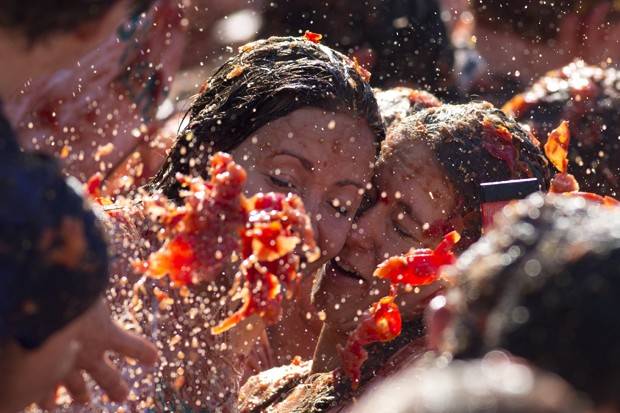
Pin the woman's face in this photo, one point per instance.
(410, 200)
(324, 158)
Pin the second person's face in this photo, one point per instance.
(411, 201)
(324, 158)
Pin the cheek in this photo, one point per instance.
(254, 184)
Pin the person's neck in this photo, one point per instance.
(297, 331)
(507, 54)
(326, 357)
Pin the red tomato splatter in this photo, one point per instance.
(556, 147)
(382, 322)
(419, 266)
(497, 140)
(313, 37)
(214, 222)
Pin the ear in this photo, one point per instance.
(438, 317)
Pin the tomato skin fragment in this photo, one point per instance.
(419, 266)
(364, 74)
(313, 37)
(556, 147)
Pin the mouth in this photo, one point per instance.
(343, 271)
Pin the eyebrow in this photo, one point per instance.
(305, 162)
(308, 165)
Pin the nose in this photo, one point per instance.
(364, 234)
(312, 210)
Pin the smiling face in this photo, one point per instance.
(324, 158)
(412, 202)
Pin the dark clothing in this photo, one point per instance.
(53, 258)
(8, 140)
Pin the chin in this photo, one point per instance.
(331, 288)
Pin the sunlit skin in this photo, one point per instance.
(22, 62)
(391, 227)
(325, 158)
(30, 375)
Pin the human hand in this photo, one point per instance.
(99, 334)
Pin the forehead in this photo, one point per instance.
(412, 171)
(408, 159)
(320, 133)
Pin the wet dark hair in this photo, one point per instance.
(53, 256)
(396, 103)
(588, 97)
(267, 80)
(408, 37)
(492, 384)
(464, 146)
(546, 285)
(38, 19)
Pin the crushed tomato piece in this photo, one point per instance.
(419, 266)
(603, 200)
(191, 252)
(216, 222)
(364, 74)
(556, 147)
(313, 37)
(93, 185)
(497, 140)
(556, 150)
(277, 224)
(382, 322)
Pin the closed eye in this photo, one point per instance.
(339, 207)
(401, 231)
(280, 183)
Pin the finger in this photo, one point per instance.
(569, 37)
(48, 402)
(595, 23)
(109, 379)
(129, 344)
(77, 387)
